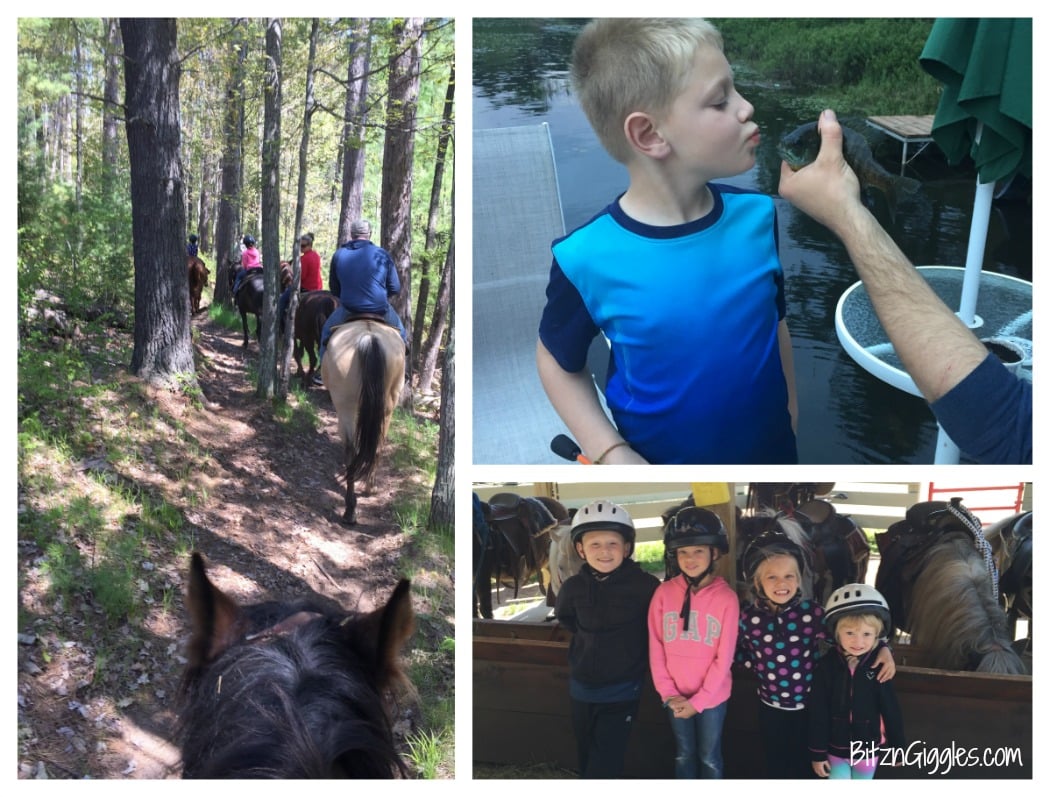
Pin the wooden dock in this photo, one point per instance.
(908, 130)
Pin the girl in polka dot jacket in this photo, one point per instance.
(779, 639)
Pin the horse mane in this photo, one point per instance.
(266, 711)
(955, 616)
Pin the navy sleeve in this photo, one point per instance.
(989, 415)
(333, 280)
(566, 327)
(393, 281)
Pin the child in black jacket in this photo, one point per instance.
(605, 606)
(851, 714)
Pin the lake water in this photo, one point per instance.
(845, 415)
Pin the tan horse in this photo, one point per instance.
(364, 370)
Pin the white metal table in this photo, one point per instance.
(1003, 310)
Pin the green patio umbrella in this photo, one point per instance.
(985, 112)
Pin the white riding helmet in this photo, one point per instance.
(602, 515)
(856, 599)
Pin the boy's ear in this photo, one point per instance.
(643, 135)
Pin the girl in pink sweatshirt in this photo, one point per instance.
(693, 623)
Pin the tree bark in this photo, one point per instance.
(442, 315)
(442, 499)
(111, 94)
(356, 115)
(300, 205)
(433, 213)
(228, 222)
(163, 350)
(398, 155)
(271, 209)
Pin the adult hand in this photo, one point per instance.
(821, 768)
(826, 189)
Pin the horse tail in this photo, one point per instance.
(368, 431)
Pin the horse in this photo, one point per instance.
(364, 370)
(290, 690)
(938, 576)
(1011, 541)
(249, 298)
(198, 278)
(314, 309)
(563, 562)
(834, 546)
(511, 542)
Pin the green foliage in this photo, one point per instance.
(863, 65)
(429, 750)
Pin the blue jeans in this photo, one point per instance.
(698, 743)
(341, 313)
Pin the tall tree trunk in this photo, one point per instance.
(300, 204)
(356, 115)
(442, 314)
(398, 154)
(433, 212)
(78, 120)
(163, 351)
(111, 95)
(227, 225)
(270, 174)
(442, 499)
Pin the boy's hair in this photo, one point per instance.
(856, 619)
(621, 66)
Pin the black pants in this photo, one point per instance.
(785, 736)
(601, 731)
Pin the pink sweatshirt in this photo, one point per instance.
(694, 664)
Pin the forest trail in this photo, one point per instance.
(266, 518)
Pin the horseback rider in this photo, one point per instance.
(191, 247)
(363, 276)
(309, 275)
(251, 260)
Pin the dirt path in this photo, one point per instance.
(264, 512)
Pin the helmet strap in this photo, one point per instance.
(691, 583)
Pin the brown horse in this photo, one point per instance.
(314, 309)
(937, 573)
(250, 293)
(198, 276)
(364, 370)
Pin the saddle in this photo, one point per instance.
(517, 522)
(903, 547)
(365, 317)
(827, 526)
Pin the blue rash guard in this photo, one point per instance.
(691, 314)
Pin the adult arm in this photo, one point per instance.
(575, 399)
(936, 348)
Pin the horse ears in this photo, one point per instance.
(387, 629)
(213, 614)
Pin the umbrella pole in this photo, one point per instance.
(946, 453)
(982, 211)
